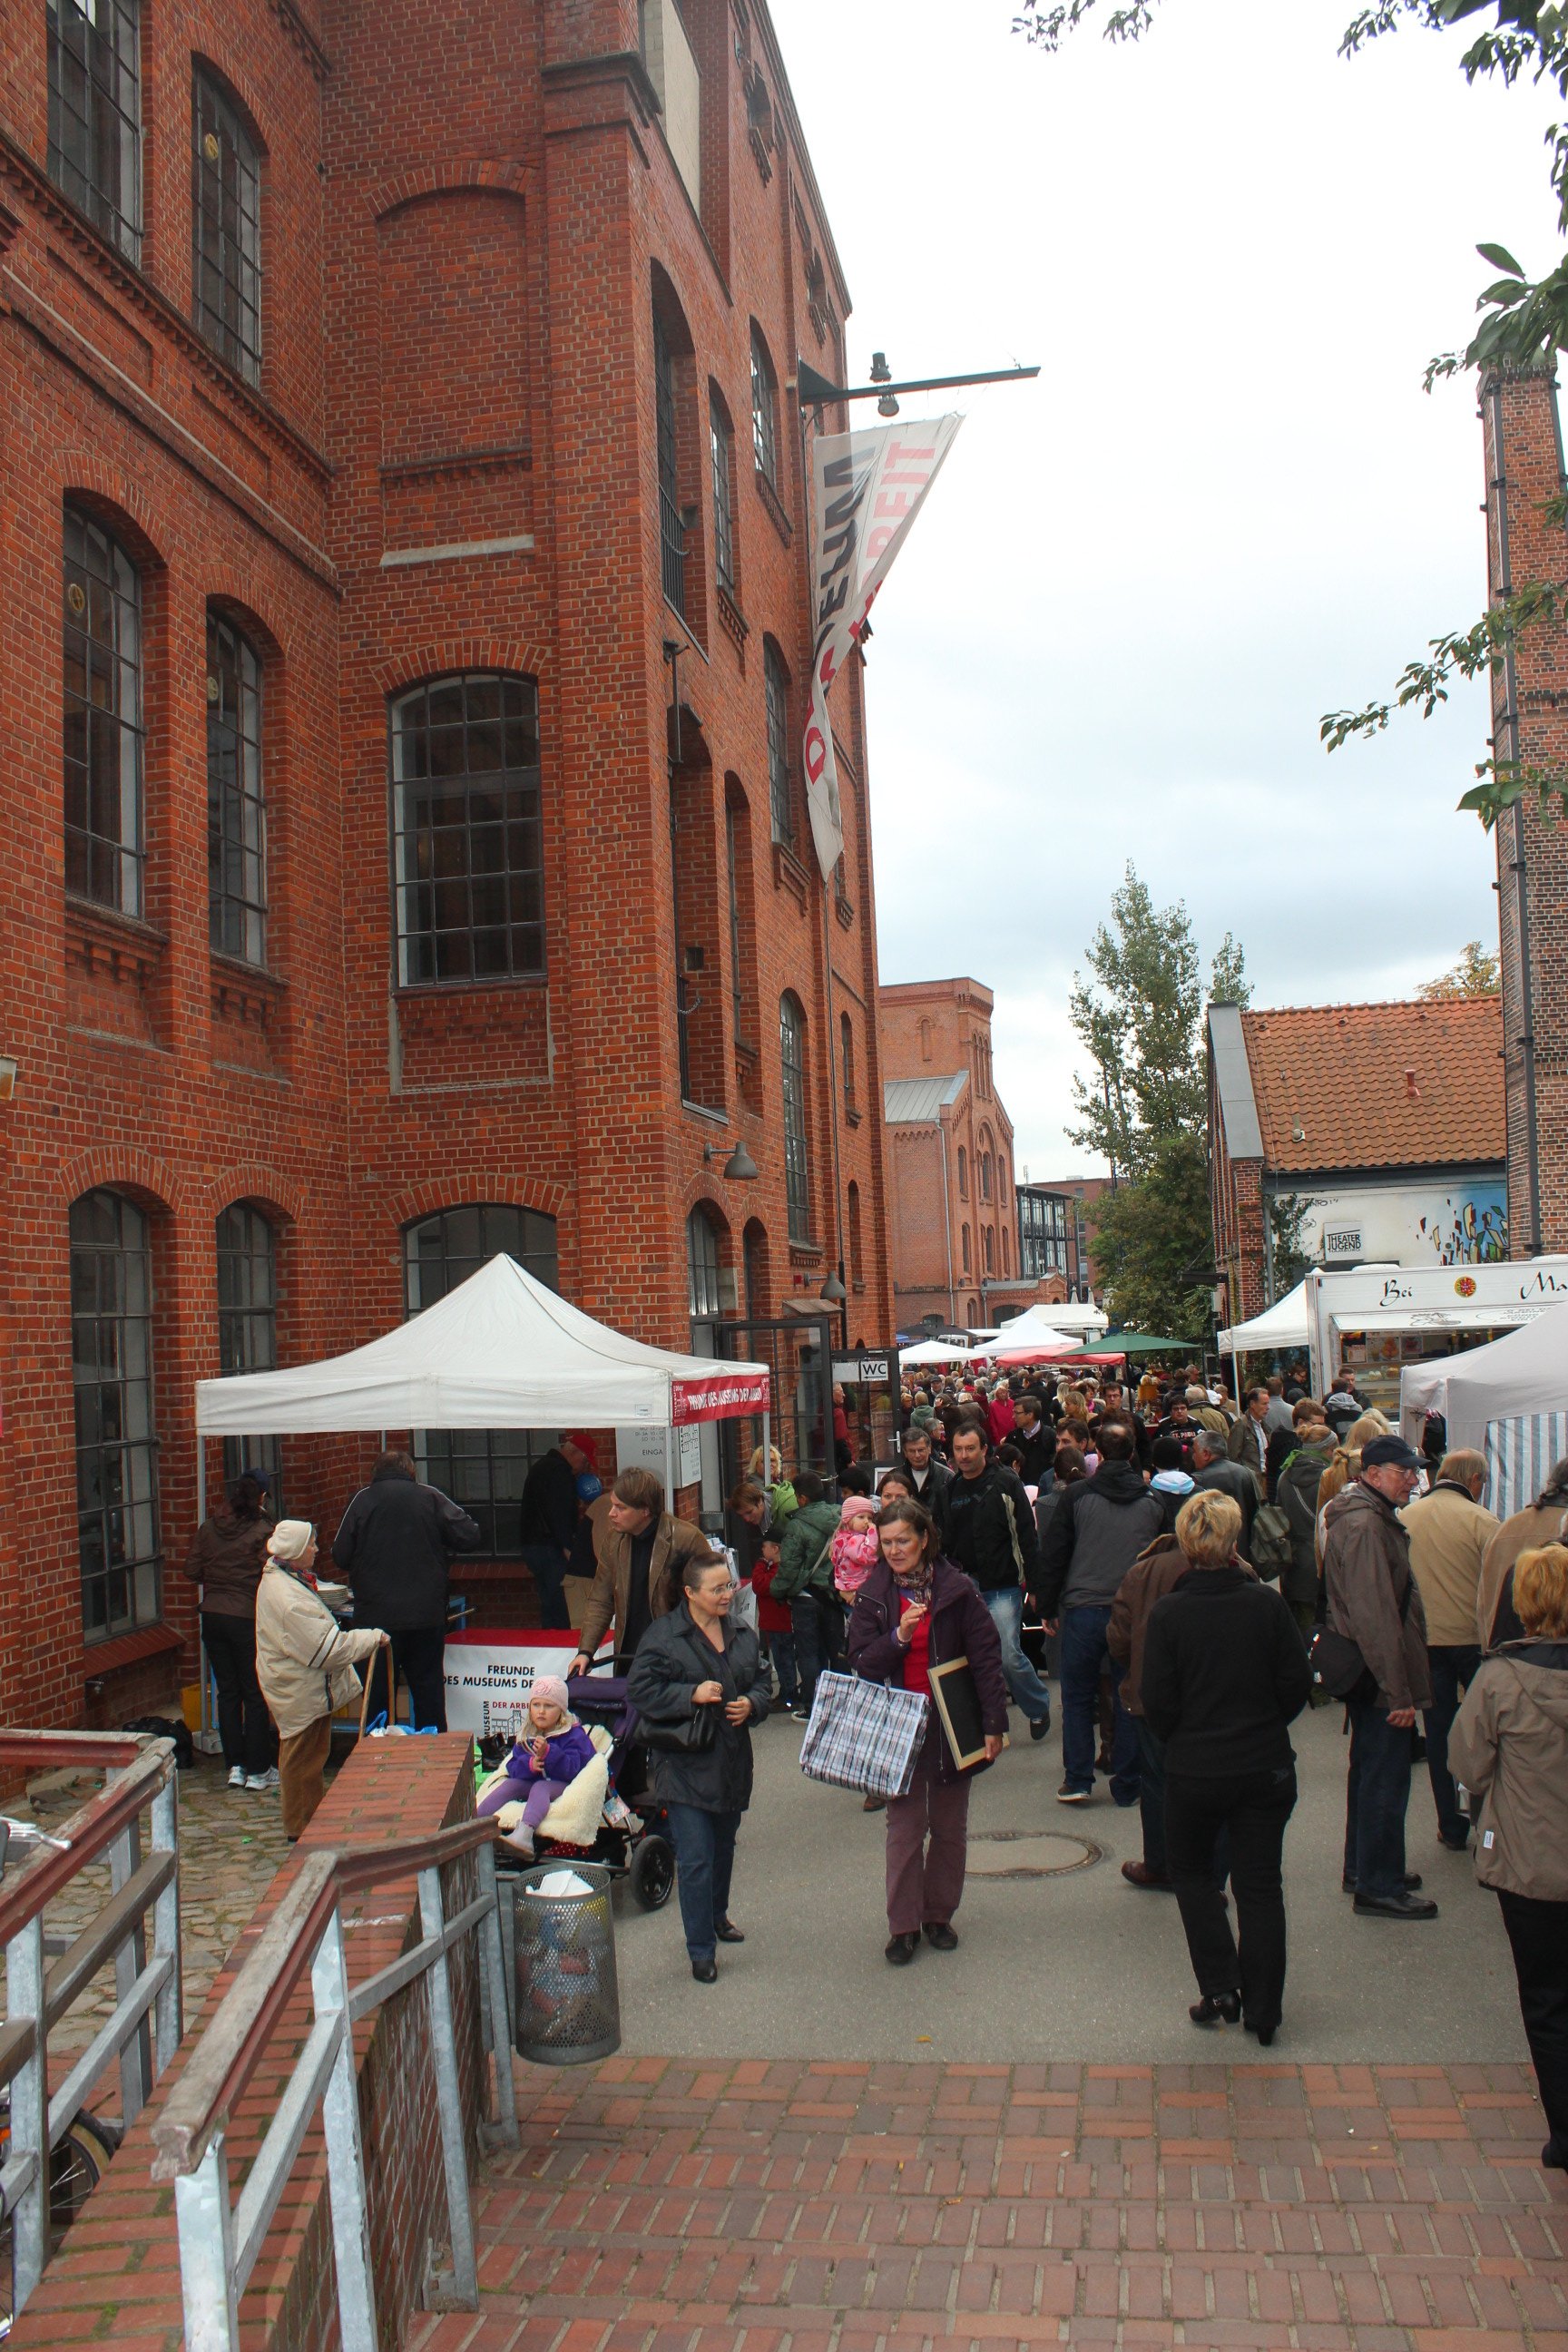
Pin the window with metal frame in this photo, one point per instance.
(847, 1060)
(721, 450)
(733, 886)
(671, 533)
(964, 1239)
(775, 698)
(702, 1283)
(236, 811)
(856, 1260)
(95, 113)
(988, 1239)
(963, 1173)
(792, 1052)
(118, 1537)
(764, 411)
(103, 731)
(225, 228)
(482, 1469)
(467, 833)
(248, 1327)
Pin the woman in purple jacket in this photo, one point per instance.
(916, 1610)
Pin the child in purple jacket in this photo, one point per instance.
(542, 1763)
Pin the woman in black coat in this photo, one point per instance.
(1225, 1673)
(690, 1664)
(917, 1610)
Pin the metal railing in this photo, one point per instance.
(143, 2030)
(220, 2240)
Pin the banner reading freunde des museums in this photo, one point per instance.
(869, 486)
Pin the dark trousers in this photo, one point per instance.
(781, 1654)
(418, 1654)
(927, 1846)
(1151, 1806)
(1377, 1791)
(547, 1565)
(1251, 1809)
(1453, 1671)
(704, 1860)
(244, 1724)
(1084, 1658)
(819, 1635)
(1538, 1934)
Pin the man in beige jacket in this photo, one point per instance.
(1449, 1530)
(640, 1552)
(1544, 1521)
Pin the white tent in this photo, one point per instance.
(936, 1352)
(1283, 1325)
(1508, 1401)
(1051, 1327)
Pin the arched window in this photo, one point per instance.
(988, 1238)
(702, 1264)
(963, 1240)
(95, 113)
(852, 1220)
(985, 1174)
(792, 1050)
(118, 1532)
(775, 697)
(671, 533)
(237, 814)
(847, 1060)
(225, 228)
(925, 1040)
(248, 1324)
(721, 456)
(963, 1173)
(104, 844)
(483, 1469)
(765, 410)
(467, 836)
(1006, 1254)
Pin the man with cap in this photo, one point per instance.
(1373, 1600)
(550, 1521)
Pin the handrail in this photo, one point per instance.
(232, 2044)
(45, 1750)
(88, 1831)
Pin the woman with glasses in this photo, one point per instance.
(702, 1681)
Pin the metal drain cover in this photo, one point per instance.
(1029, 1853)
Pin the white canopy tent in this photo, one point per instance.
(1283, 1325)
(937, 1352)
(1508, 1401)
(499, 1351)
(1049, 1325)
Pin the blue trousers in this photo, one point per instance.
(704, 1859)
(1377, 1791)
(1084, 1658)
(1454, 1668)
(819, 1625)
(1024, 1687)
(780, 1650)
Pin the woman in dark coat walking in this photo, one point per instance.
(694, 1663)
(1225, 1673)
(916, 1610)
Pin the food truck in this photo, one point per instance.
(1372, 1320)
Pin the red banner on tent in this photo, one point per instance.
(723, 1397)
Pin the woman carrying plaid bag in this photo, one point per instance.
(916, 1610)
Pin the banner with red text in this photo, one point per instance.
(869, 486)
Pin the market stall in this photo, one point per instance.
(1285, 1325)
(1375, 1321)
(1508, 1401)
(936, 1352)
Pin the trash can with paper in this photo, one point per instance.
(566, 2009)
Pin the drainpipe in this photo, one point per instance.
(1506, 746)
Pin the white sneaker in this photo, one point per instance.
(236, 1776)
(258, 1780)
(270, 1776)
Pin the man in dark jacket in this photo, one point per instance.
(1095, 1534)
(394, 1544)
(550, 1522)
(987, 1526)
(803, 1582)
(928, 1476)
(1296, 1492)
(1212, 1467)
(1035, 1439)
(1179, 1423)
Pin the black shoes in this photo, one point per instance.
(1265, 2032)
(1554, 2155)
(901, 1950)
(941, 1937)
(1403, 1905)
(1216, 2007)
(705, 1971)
(1410, 1882)
(728, 1933)
(1039, 1725)
(874, 1805)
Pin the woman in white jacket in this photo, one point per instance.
(305, 1665)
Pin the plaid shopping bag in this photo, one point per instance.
(864, 1735)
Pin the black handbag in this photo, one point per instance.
(693, 1736)
(1335, 1662)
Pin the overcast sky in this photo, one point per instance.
(1227, 507)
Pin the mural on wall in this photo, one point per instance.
(1465, 1224)
(1471, 1229)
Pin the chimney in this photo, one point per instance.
(1412, 1091)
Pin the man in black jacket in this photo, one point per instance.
(394, 1544)
(1211, 1466)
(988, 1529)
(1096, 1532)
(1035, 1439)
(928, 1477)
(549, 1523)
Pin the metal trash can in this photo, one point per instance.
(566, 2004)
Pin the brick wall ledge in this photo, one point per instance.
(127, 1650)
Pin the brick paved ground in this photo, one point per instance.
(661, 2205)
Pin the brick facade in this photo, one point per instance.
(953, 1225)
(450, 462)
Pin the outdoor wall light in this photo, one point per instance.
(738, 1168)
(833, 1290)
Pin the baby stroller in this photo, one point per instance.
(631, 1840)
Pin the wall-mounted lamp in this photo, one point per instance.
(738, 1168)
(833, 1290)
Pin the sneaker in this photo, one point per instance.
(258, 1781)
(1039, 1725)
(270, 1776)
(236, 1776)
(800, 1715)
(1068, 1795)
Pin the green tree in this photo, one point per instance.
(1475, 974)
(1290, 1260)
(1228, 983)
(1151, 1242)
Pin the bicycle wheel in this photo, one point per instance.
(78, 2163)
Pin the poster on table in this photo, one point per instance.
(489, 1674)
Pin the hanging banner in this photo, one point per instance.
(869, 486)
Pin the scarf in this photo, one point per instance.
(918, 1584)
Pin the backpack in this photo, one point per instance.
(1270, 1549)
(854, 1551)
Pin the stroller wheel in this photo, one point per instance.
(652, 1874)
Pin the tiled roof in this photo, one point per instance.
(911, 1099)
(1379, 1086)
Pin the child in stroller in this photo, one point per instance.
(630, 1844)
(542, 1762)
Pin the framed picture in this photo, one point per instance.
(957, 1704)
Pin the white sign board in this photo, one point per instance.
(489, 1676)
(643, 1449)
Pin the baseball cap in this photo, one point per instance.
(1381, 1451)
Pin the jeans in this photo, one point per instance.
(1377, 1791)
(1084, 1657)
(704, 1859)
(927, 1846)
(1023, 1685)
(1538, 1932)
(244, 1724)
(819, 1637)
(418, 1654)
(781, 1653)
(1253, 1808)
(547, 1565)
(1454, 1669)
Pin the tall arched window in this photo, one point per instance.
(95, 113)
(225, 228)
(764, 411)
(671, 533)
(775, 700)
(722, 457)
(792, 1050)
(118, 1533)
(702, 1264)
(847, 1060)
(104, 844)
(236, 813)
(852, 1222)
(247, 1323)
(963, 1173)
(467, 836)
(963, 1240)
(483, 1469)
(989, 1246)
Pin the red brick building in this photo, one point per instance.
(949, 1153)
(405, 850)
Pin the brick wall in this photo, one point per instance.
(117, 2278)
(946, 1245)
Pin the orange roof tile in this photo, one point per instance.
(1379, 1086)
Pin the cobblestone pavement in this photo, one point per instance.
(231, 1843)
(662, 2205)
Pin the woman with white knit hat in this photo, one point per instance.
(305, 1665)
